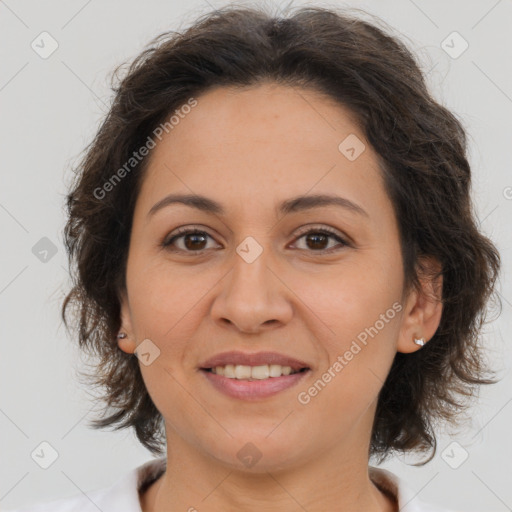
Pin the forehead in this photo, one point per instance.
(260, 142)
(254, 115)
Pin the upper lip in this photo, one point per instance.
(254, 359)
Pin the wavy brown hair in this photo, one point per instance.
(422, 150)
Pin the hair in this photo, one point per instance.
(421, 148)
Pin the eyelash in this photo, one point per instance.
(181, 232)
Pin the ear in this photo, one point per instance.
(423, 309)
(127, 344)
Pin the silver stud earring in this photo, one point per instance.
(121, 335)
(420, 341)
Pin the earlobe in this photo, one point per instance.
(125, 344)
(423, 312)
(125, 339)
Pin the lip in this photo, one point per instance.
(254, 359)
(253, 390)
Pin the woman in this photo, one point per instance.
(278, 264)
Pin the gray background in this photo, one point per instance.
(50, 110)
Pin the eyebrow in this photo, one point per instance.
(295, 204)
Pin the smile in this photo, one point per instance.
(258, 385)
(261, 372)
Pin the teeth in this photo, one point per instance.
(277, 370)
(260, 372)
(243, 372)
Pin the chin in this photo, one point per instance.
(257, 453)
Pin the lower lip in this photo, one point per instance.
(253, 389)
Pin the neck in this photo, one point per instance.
(329, 481)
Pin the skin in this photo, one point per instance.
(249, 149)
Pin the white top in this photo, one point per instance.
(123, 495)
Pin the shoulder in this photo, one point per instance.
(122, 496)
(72, 504)
(405, 496)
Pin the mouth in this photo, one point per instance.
(254, 373)
(253, 383)
(237, 364)
(253, 376)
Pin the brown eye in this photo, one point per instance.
(317, 240)
(193, 240)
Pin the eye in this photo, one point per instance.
(193, 240)
(317, 238)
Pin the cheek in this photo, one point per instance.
(358, 356)
(166, 307)
(356, 323)
(164, 299)
(349, 298)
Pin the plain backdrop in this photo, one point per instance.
(50, 109)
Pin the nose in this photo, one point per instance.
(253, 297)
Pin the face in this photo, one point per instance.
(317, 281)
